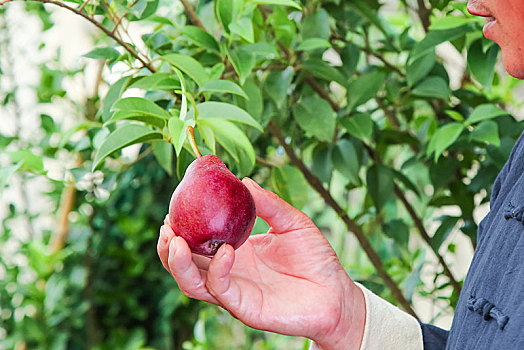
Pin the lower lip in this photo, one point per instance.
(489, 28)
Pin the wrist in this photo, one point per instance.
(347, 330)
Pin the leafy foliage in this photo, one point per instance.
(370, 119)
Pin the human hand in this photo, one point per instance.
(287, 281)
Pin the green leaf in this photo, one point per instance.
(137, 106)
(350, 57)
(316, 25)
(234, 141)
(157, 121)
(277, 2)
(406, 181)
(284, 27)
(183, 161)
(322, 165)
(80, 126)
(323, 70)
(177, 130)
(436, 37)
(450, 22)
(115, 91)
(163, 152)
(157, 82)
(208, 135)
(27, 161)
(289, 183)
(364, 88)
(380, 184)
(445, 228)
(397, 230)
(262, 50)
(255, 105)
(313, 44)
(243, 61)
(103, 53)
(221, 110)
(443, 138)
(224, 86)
(454, 115)
(315, 117)
(433, 86)
(201, 37)
(482, 64)
(216, 71)
(364, 9)
(277, 84)
(124, 136)
(142, 9)
(359, 125)
(226, 11)
(420, 68)
(487, 131)
(244, 28)
(345, 160)
(188, 65)
(484, 112)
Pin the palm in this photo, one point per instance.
(272, 270)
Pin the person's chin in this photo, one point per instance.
(513, 62)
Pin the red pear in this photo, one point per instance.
(211, 206)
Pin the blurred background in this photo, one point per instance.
(78, 264)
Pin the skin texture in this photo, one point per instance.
(287, 281)
(504, 25)
(211, 206)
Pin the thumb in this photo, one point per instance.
(279, 214)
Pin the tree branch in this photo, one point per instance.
(192, 14)
(424, 234)
(352, 226)
(420, 226)
(323, 93)
(122, 43)
(424, 14)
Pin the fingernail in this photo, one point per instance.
(253, 183)
(163, 234)
(222, 252)
(172, 246)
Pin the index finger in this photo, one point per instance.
(281, 216)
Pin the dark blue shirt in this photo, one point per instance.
(490, 311)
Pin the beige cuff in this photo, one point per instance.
(388, 327)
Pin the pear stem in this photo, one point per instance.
(191, 135)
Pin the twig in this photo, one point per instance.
(122, 43)
(62, 228)
(352, 226)
(119, 21)
(81, 8)
(323, 93)
(424, 234)
(424, 14)
(265, 163)
(192, 14)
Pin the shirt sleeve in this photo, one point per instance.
(434, 338)
(388, 327)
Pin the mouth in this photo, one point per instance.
(479, 11)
